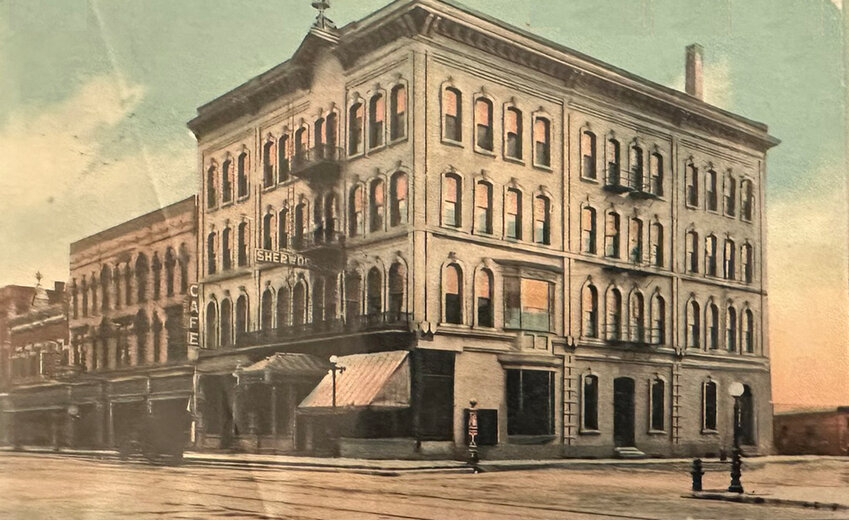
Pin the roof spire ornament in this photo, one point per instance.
(321, 21)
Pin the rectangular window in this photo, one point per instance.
(530, 402)
(527, 304)
(657, 405)
(709, 406)
(590, 408)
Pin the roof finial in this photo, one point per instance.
(321, 21)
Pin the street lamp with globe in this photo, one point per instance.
(736, 389)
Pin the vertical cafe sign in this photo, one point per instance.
(193, 340)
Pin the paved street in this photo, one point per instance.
(48, 486)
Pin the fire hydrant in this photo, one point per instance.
(697, 473)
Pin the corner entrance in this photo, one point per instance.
(623, 412)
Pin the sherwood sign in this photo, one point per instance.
(281, 258)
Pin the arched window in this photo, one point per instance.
(128, 280)
(397, 283)
(283, 229)
(268, 158)
(242, 251)
(75, 304)
(156, 265)
(300, 225)
(483, 124)
(452, 115)
(301, 144)
(614, 315)
(513, 214)
(542, 220)
(513, 133)
(331, 216)
(183, 261)
(84, 288)
(318, 136)
(398, 108)
(658, 405)
(748, 331)
(170, 263)
(353, 295)
(483, 207)
(711, 193)
(377, 205)
(211, 323)
(355, 129)
(452, 288)
(542, 142)
(710, 255)
(748, 203)
(589, 410)
(283, 154)
(141, 278)
(242, 314)
(589, 307)
(226, 323)
(266, 310)
(613, 163)
(483, 298)
(374, 290)
(299, 304)
(731, 329)
(242, 174)
(658, 317)
(638, 318)
(657, 174)
(105, 283)
(226, 249)
(156, 329)
(635, 241)
(709, 406)
(730, 271)
(452, 197)
(611, 235)
(637, 168)
(588, 230)
(748, 265)
(694, 329)
(94, 294)
(330, 298)
(692, 179)
(376, 119)
(318, 300)
(211, 195)
(331, 129)
(356, 217)
(227, 181)
(692, 245)
(588, 155)
(398, 189)
(656, 238)
(712, 318)
(730, 195)
(283, 307)
(267, 228)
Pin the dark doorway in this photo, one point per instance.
(747, 417)
(623, 412)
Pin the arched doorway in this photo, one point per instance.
(623, 412)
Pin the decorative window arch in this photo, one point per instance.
(614, 161)
(588, 230)
(712, 322)
(589, 400)
(635, 240)
(483, 207)
(377, 204)
(452, 290)
(269, 162)
(513, 132)
(730, 264)
(331, 135)
(747, 202)
(731, 328)
(710, 255)
(513, 213)
(211, 195)
(283, 228)
(637, 164)
(656, 241)
(226, 337)
(711, 192)
(657, 404)
(301, 224)
(355, 128)
(612, 234)
(452, 199)
(242, 240)
(693, 324)
(226, 249)
(658, 317)
(356, 211)
(692, 258)
(542, 141)
(747, 257)
(452, 114)
(376, 120)
(484, 306)
(398, 190)
(748, 331)
(637, 313)
(318, 135)
(242, 167)
(613, 306)
(284, 154)
(227, 180)
(484, 124)
(211, 322)
(692, 182)
(301, 142)
(588, 154)
(730, 194)
(656, 170)
(589, 310)
(542, 219)
(268, 230)
(398, 112)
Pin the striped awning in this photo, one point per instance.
(378, 381)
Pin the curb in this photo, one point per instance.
(759, 499)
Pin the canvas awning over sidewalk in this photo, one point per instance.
(281, 367)
(378, 381)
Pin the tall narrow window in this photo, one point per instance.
(331, 225)
(513, 214)
(318, 136)
(376, 119)
(398, 189)
(748, 266)
(299, 304)
(638, 318)
(730, 195)
(656, 238)
(588, 155)
(513, 133)
(242, 244)
(283, 165)
(710, 255)
(731, 329)
(589, 410)
(170, 264)
(589, 307)
(242, 173)
(483, 298)
(693, 325)
(128, 273)
(542, 142)
(658, 318)
(613, 162)
(331, 131)
(657, 174)
(748, 331)
(283, 307)
(748, 203)
(709, 406)
(301, 143)
(452, 279)
(355, 129)
(451, 200)
(711, 193)
(637, 168)
(301, 219)
(211, 196)
(692, 252)
(226, 252)
(318, 300)
(268, 158)
(692, 178)
(588, 230)
(266, 310)
(374, 290)
(156, 266)
(611, 235)
(483, 124)
(452, 115)
(658, 406)
(141, 278)
(614, 314)
(542, 220)
(398, 107)
(397, 284)
(377, 205)
(635, 241)
(712, 318)
(241, 320)
(211, 326)
(356, 212)
(353, 297)
(85, 295)
(106, 282)
(483, 207)
(330, 288)
(267, 227)
(730, 272)
(227, 181)
(283, 229)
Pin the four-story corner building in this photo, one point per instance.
(455, 210)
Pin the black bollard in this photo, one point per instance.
(697, 473)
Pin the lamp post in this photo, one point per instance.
(736, 390)
(334, 367)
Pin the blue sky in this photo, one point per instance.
(95, 94)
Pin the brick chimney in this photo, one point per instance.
(693, 83)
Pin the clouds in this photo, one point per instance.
(718, 87)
